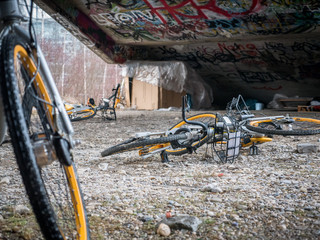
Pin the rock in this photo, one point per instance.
(214, 199)
(183, 222)
(307, 148)
(286, 182)
(163, 230)
(167, 165)
(103, 166)
(211, 188)
(235, 217)
(235, 224)
(129, 211)
(5, 180)
(303, 189)
(21, 209)
(145, 218)
(174, 203)
(283, 227)
(210, 213)
(122, 172)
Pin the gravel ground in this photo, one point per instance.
(273, 195)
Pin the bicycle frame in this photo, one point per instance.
(10, 16)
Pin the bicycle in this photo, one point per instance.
(226, 133)
(40, 130)
(78, 112)
(107, 106)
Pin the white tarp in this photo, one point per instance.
(172, 75)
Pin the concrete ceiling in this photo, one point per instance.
(254, 47)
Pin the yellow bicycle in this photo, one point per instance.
(107, 106)
(225, 133)
(40, 130)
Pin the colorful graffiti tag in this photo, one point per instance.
(257, 43)
(195, 20)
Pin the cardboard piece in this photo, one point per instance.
(146, 96)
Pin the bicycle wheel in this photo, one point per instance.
(135, 144)
(286, 126)
(82, 115)
(53, 189)
(206, 118)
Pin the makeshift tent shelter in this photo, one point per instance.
(153, 85)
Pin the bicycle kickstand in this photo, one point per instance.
(164, 157)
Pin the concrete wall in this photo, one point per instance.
(253, 47)
(78, 72)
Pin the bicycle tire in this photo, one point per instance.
(136, 144)
(300, 126)
(202, 117)
(27, 114)
(82, 115)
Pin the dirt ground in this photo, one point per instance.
(273, 195)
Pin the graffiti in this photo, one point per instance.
(277, 53)
(268, 88)
(298, 5)
(202, 56)
(169, 53)
(101, 3)
(73, 30)
(167, 15)
(199, 20)
(309, 48)
(252, 77)
(137, 35)
(280, 23)
(192, 10)
(108, 3)
(179, 13)
(130, 18)
(225, 24)
(244, 49)
(216, 36)
(305, 46)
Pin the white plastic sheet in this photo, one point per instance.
(172, 75)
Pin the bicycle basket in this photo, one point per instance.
(227, 138)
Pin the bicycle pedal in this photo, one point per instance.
(253, 150)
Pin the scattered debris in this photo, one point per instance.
(307, 148)
(163, 230)
(5, 180)
(21, 209)
(211, 188)
(182, 222)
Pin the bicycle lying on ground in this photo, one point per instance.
(107, 106)
(40, 130)
(225, 133)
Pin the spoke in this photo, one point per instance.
(57, 189)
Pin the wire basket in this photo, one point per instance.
(227, 138)
(237, 108)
